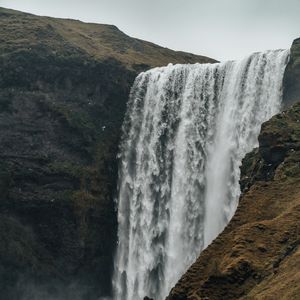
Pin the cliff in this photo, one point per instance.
(257, 256)
(64, 85)
(291, 80)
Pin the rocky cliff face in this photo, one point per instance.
(291, 79)
(257, 256)
(64, 86)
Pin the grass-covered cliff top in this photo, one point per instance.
(22, 31)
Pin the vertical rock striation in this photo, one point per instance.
(291, 80)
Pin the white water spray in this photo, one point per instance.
(186, 131)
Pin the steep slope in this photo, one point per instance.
(64, 86)
(257, 256)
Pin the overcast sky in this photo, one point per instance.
(221, 29)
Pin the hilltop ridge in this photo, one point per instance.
(99, 41)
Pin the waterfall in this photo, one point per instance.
(186, 131)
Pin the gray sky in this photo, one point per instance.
(221, 29)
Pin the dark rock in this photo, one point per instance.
(291, 81)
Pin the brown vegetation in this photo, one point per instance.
(257, 256)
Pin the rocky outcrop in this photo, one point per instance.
(64, 86)
(257, 256)
(291, 81)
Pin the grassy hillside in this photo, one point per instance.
(20, 31)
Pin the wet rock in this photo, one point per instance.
(291, 81)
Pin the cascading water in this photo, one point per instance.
(186, 131)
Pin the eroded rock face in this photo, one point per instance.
(291, 81)
(63, 92)
(58, 145)
(257, 256)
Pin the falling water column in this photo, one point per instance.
(186, 131)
